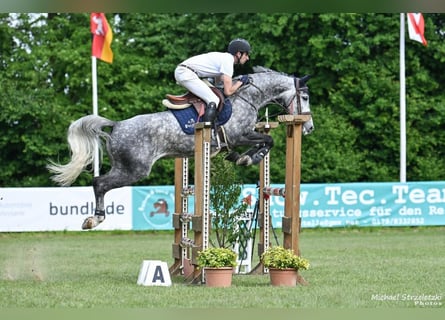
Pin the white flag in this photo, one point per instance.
(416, 27)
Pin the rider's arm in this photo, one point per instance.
(230, 87)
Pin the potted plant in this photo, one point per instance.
(283, 265)
(217, 265)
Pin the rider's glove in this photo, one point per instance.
(244, 79)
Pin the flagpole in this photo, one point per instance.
(95, 111)
(402, 101)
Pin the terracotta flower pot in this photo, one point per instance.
(218, 277)
(283, 277)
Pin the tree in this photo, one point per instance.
(45, 77)
(227, 211)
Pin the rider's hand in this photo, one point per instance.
(244, 79)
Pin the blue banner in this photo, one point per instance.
(321, 205)
(153, 207)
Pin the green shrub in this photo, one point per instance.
(216, 258)
(281, 258)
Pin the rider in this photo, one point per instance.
(218, 65)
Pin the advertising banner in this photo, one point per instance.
(152, 207)
(366, 204)
(321, 205)
(58, 209)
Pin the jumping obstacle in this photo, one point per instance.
(291, 219)
(269, 191)
(200, 220)
(291, 192)
(181, 219)
(264, 204)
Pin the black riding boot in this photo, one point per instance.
(210, 113)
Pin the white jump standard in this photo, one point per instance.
(200, 220)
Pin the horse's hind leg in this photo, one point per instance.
(116, 178)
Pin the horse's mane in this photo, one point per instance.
(261, 69)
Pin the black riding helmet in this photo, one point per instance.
(238, 45)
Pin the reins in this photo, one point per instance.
(238, 95)
(287, 108)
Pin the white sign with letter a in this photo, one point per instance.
(154, 273)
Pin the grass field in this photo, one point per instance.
(350, 268)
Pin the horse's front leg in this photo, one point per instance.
(262, 143)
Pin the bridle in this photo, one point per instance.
(288, 108)
(298, 91)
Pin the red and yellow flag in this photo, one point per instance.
(102, 37)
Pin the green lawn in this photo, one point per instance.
(350, 268)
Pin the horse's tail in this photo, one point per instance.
(83, 139)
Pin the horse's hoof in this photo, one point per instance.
(244, 161)
(90, 223)
(87, 224)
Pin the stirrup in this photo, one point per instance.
(216, 142)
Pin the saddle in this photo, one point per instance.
(186, 100)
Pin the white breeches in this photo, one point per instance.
(190, 80)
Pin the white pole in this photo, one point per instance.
(402, 101)
(95, 112)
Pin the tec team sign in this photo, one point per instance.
(369, 204)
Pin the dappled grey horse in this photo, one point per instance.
(134, 144)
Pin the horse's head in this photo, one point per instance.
(300, 102)
(290, 92)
